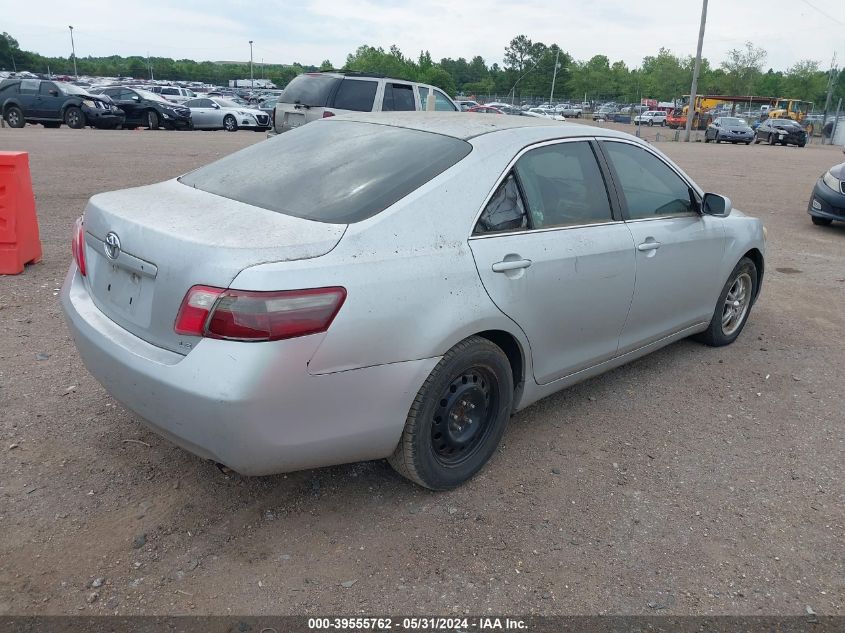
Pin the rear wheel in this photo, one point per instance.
(230, 124)
(152, 120)
(14, 116)
(733, 306)
(74, 118)
(650, 123)
(458, 416)
(821, 221)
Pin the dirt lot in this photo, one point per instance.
(695, 480)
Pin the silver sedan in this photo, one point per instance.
(215, 113)
(397, 285)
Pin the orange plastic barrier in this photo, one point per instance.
(19, 243)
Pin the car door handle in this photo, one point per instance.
(648, 246)
(511, 264)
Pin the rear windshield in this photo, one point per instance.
(331, 171)
(310, 90)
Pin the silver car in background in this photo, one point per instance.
(217, 113)
(397, 285)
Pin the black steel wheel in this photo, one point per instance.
(458, 416)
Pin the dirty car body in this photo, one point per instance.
(432, 230)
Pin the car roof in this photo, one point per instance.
(465, 126)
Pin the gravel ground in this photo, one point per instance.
(693, 481)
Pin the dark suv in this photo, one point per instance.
(146, 109)
(52, 103)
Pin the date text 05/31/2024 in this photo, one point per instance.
(416, 624)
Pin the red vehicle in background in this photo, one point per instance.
(485, 110)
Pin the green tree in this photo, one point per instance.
(743, 68)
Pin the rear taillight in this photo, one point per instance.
(77, 246)
(244, 315)
(327, 114)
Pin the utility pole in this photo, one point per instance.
(73, 52)
(251, 77)
(150, 65)
(554, 76)
(695, 71)
(831, 78)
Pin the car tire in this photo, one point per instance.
(772, 140)
(706, 139)
(14, 117)
(152, 120)
(748, 142)
(74, 118)
(473, 380)
(230, 124)
(716, 138)
(729, 319)
(756, 139)
(821, 221)
(650, 123)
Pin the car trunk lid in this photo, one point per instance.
(145, 247)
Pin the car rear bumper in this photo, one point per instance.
(251, 406)
(826, 203)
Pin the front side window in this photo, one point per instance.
(505, 211)
(650, 188)
(398, 97)
(48, 88)
(563, 186)
(442, 102)
(357, 95)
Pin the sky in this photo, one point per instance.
(309, 31)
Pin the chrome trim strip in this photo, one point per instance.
(485, 236)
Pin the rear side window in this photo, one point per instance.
(563, 186)
(170, 91)
(29, 86)
(310, 90)
(398, 97)
(505, 211)
(331, 171)
(357, 95)
(8, 90)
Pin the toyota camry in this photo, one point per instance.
(397, 285)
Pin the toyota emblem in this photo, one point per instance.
(112, 245)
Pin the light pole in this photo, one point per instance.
(251, 77)
(73, 52)
(554, 76)
(695, 71)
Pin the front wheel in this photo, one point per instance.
(821, 221)
(772, 139)
(230, 124)
(458, 416)
(152, 120)
(651, 123)
(733, 306)
(74, 118)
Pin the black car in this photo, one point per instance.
(782, 131)
(729, 129)
(828, 200)
(146, 109)
(52, 103)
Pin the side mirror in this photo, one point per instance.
(54, 93)
(216, 106)
(136, 98)
(716, 205)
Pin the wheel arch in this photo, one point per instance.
(512, 348)
(757, 257)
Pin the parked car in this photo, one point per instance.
(604, 113)
(729, 129)
(828, 200)
(650, 118)
(312, 96)
(485, 110)
(173, 93)
(781, 131)
(568, 110)
(268, 106)
(52, 103)
(271, 318)
(146, 109)
(217, 113)
(466, 104)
